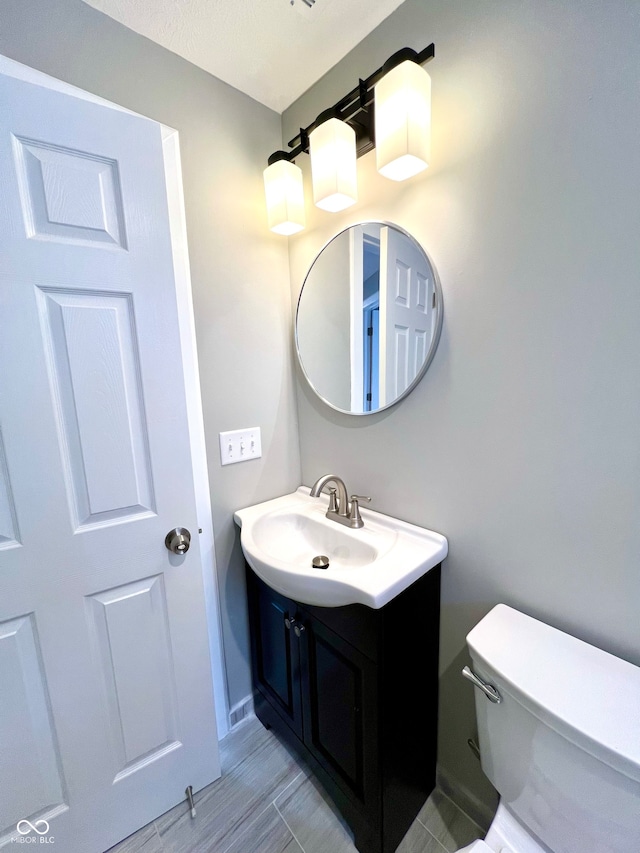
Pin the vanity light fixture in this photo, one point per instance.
(399, 93)
(403, 120)
(285, 194)
(332, 146)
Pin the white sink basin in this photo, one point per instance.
(368, 566)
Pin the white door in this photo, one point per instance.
(361, 237)
(106, 708)
(406, 312)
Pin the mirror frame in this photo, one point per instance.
(439, 308)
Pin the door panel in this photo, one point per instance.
(337, 728)
(94, 370)
(339, 692)
(95, 468)
(9, 537)
(406, 312)
(69, 196)
(27, 735)
(276, 658)
(131, 637)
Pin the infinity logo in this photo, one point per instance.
(32, 827)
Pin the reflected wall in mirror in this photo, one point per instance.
(369, 318)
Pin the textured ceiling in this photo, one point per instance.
(273, 50)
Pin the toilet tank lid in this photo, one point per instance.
(587, 695)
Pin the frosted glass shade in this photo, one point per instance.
(403, 121)
(285, 197)
(333, 165)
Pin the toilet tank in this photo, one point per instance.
(562, 748)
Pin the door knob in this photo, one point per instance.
(178, 540)
(298, 630)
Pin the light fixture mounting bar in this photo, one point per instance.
(356, 107)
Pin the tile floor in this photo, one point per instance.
(268, 802)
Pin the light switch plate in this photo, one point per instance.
(240, 445)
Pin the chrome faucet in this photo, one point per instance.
(340, 509)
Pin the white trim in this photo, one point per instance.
(356, 284)
(186, 322)
(240, 711)
(177, 224)
(475, 809)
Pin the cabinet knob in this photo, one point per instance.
(298, 628)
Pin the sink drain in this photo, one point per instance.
(320, 562)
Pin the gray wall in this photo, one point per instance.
(522, 442)
(239, 269)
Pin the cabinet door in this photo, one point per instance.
(275, 658)
(339, 695)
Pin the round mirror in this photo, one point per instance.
(369, 318)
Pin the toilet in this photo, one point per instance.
(559, 734)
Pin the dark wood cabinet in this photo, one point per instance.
(355, 692)
(339, 690)
(276, 653)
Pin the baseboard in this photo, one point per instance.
(475, 809)
(240, 711)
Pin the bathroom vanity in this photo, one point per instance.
(354, 690)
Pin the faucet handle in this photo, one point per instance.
(333, 501)
(355, 519)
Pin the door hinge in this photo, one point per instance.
(189, 793)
